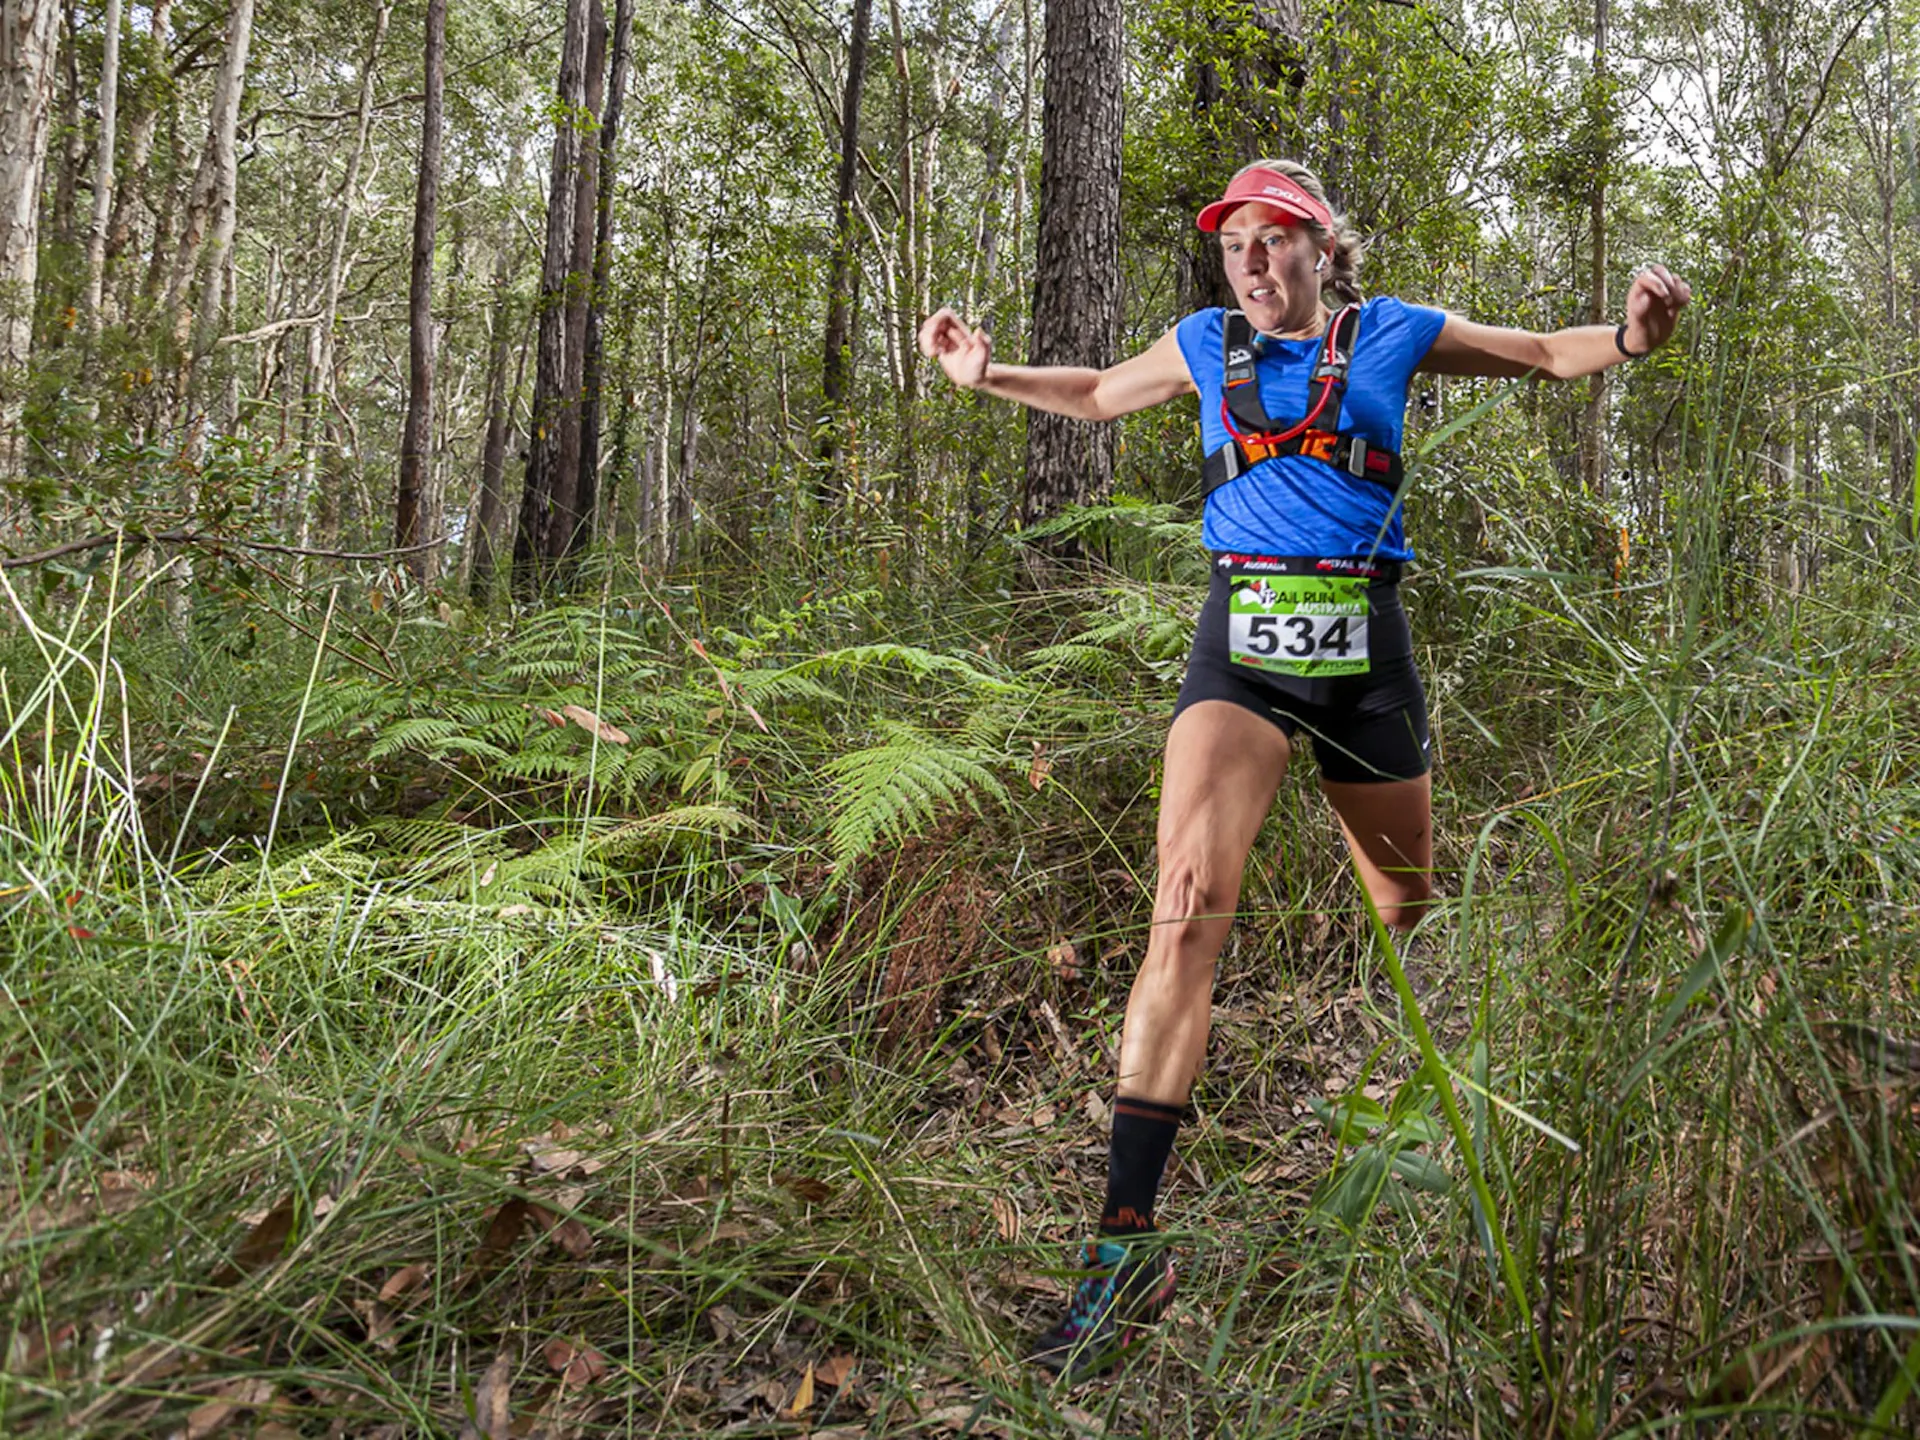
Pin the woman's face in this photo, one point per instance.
(1270, 258)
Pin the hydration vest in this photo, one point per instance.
(1257, 436)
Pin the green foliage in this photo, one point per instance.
(894, 790)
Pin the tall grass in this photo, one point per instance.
(379, 1057)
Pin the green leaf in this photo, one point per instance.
(1422, 1171)
(1726, 940)
(1351, 1118)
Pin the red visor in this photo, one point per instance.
(1271, 188)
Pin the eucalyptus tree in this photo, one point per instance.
(1076, 288)
(196, 284)
(833, 361)
(27, 30)
(103, 163)
(548, 517)
(414, 506)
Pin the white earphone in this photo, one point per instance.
(1322, 265)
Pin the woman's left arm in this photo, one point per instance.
(1653, 309)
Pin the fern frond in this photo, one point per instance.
(911, 658)
(637, 836)
(769, 686)
(431, 735)
(1079, 657)
(892, 791)
(1166, 523)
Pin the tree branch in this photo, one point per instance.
(1820, 95)
(138, 538)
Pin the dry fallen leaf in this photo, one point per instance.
(379, 1323)
(725, 1322)
(576, 1365)
(833, 1371)
(209, 1418)
(1065, 960)
(725, 1230)
(566, 1231)
(403, 1282)
(1006, 1219)
(492, 1416)
(1041, 768)
(547, 1158)
(31, 1348)
(803, 1397)
(1044, 1117)
(594, 725)
(503, 1234)
(817, 1192)
(262, 1245)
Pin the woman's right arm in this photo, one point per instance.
(1155, 374)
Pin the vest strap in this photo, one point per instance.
(1256, 436)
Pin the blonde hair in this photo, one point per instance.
(1349, 249)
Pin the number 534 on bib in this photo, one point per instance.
(1307, 625)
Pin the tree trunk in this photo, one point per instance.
(66, 185)
(1904, 440)
(416, 443)
(1593, 431)
(586, 500)
(1203, 274)
(1076, 291)
(567, 514)
(143, 119)
(904, 292)
(538, 521)
(206, 227)
(103, 166)
(493, 456)
(317, 395)
(835, 373)
(27, 31)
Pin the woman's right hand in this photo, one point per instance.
(964, 354)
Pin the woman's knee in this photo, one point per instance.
(1193, 907)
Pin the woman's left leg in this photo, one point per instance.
(1389, 830)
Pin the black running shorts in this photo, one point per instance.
(1366, 727)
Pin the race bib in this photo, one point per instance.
(1305, 625)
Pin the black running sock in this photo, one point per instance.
(1143, 1132)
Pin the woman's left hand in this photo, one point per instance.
(1653, 307)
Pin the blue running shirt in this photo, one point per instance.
(1293, 505)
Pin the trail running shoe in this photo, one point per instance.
(1119, 1297)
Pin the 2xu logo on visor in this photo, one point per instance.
(1304, 625)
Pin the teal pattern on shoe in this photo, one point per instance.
(1122, 1292)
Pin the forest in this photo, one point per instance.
(576, 823)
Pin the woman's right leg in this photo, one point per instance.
(1223, 766)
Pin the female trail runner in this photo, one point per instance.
(1302, 631)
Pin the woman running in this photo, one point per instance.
(1302, 631)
